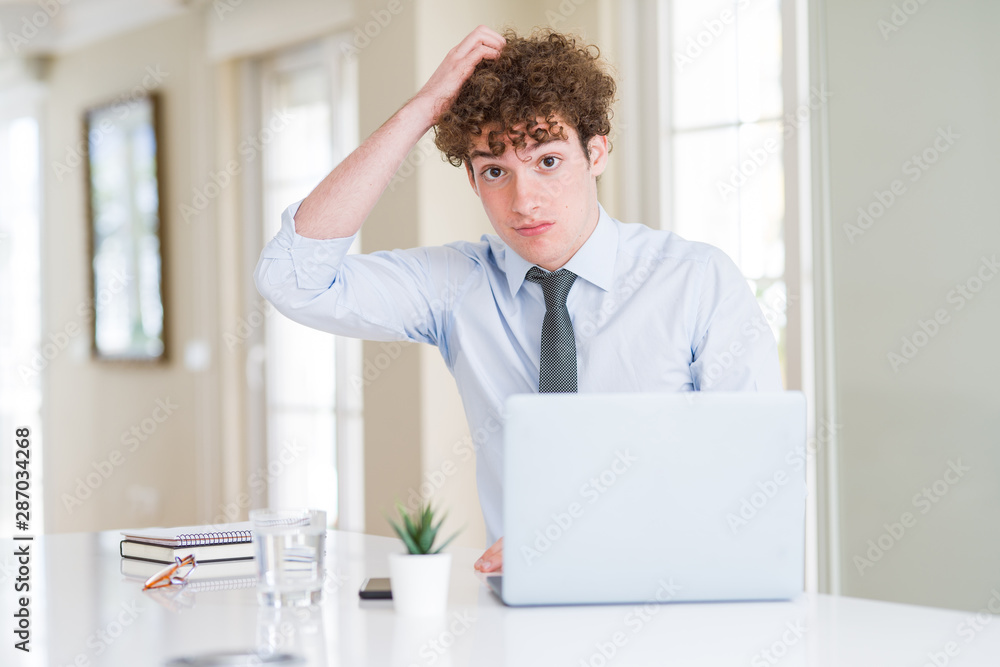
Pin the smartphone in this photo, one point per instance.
(376, 588)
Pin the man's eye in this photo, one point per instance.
(550, 162)
(492, 173)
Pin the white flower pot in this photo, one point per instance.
(420, 583)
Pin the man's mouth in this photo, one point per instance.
(534, 228)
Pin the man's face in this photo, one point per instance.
(542, 199)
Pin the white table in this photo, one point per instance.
(84, 612)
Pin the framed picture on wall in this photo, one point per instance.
(125, 214)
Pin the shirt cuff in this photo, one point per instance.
(315, 262)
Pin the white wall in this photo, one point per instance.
(89, 406)
(193, 468)
(900, 428)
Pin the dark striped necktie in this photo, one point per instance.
(557, 367)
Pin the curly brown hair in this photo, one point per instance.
(542, 76)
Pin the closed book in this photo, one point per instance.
(202, 554)
(226, 573)
(207, 543)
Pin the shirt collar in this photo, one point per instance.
(594, 261)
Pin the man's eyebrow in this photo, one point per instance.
(527, 149)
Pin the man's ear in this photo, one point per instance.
(598, 148)
(472, 177)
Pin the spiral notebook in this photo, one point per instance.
(227, 541)
(233, 541)
(192, 536)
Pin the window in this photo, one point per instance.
(724, 85)
(312, 411)
(725, 140)
(22, 355)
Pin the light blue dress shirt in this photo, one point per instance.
(651, 312)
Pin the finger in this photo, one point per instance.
(494, 563)
(493, 38)
(487, 51)
(490, 557)
(489, 554)
(491, 566)
(465, 65)
(468, 66)
(480, 37)
(495, 549)
(486, 35)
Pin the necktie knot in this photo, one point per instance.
(555, 285)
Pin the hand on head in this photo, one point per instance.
(443, 86)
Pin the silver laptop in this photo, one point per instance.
(633, 498)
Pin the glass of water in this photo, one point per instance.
(289, 548)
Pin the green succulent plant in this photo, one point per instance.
(418, 530)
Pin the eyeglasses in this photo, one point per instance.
(173, 575)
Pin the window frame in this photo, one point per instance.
(646, 185)
(348, 415)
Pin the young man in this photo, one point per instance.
(564, 297)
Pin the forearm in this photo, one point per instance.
(339, 205)
(387, 295)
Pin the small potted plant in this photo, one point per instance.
(420, 576)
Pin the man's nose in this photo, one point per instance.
(526, 195)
